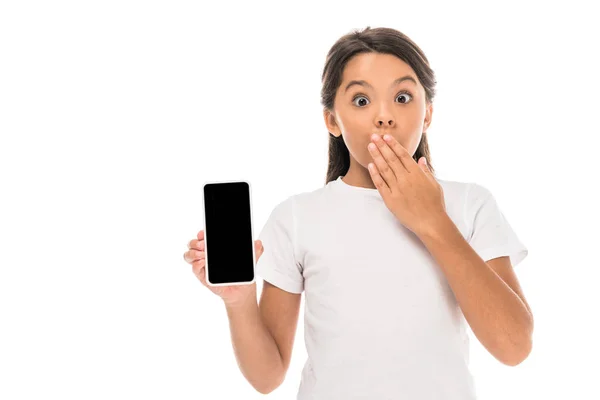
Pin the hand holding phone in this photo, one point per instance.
(232, 295)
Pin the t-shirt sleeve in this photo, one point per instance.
(491, 235)
(278, 264)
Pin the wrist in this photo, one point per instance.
(246, 302)
(438, 227)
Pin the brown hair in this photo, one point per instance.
(371, 40)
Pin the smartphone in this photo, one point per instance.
(228, 234)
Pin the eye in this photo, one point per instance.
(356, 98)
(401, 94)
(404, 94)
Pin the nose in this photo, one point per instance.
(381, 122)
(384, 118)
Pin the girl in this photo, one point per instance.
(394, 262)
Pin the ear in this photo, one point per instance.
(428, 116)
(331, 123)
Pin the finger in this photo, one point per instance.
(197, 255)
(202, 277)
(401, 152)
(390, 156)
(383, 168)
(198, 266)
(200, 271)
(200, 235)
(378, 180)
(196, 244)
(259, 249)
(194, 255)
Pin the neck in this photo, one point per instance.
(357, 175)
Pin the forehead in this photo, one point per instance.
(384, 67)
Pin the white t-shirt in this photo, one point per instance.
(380, 319)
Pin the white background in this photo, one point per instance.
(113, 114)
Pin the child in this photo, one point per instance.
(394, 262)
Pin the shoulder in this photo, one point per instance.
(466, 198)
(289, 203)
(477, 194)
(452, 187)
(467, 190)
(311, 199)
(455, 192)
(287, 207)
(284, 207)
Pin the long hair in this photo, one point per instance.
(371, 40)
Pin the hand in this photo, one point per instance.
(409, 189)
(232, 295)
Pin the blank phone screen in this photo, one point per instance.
(228, 232)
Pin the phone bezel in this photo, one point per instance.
(251, 238)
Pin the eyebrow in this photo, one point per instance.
(365, 83)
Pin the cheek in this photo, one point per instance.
(357, 146)
(414, 142)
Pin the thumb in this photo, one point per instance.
(259, 249)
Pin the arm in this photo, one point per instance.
(498, 316)
(263, 336)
